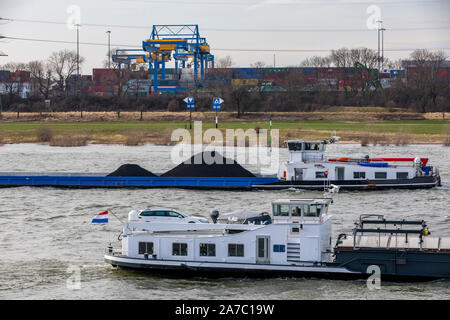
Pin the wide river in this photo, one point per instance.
(45, 233)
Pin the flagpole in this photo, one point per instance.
(116, 216)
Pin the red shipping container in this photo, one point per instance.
(105, 76)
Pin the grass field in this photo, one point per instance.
(417, 131)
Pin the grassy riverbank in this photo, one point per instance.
(357, 127)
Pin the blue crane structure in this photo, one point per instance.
(183, 43)
(124, 57)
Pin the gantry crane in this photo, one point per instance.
(184, 44)
(123, 57)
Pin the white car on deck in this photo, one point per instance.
(163, 215)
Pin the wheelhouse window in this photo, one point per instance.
(359, 175)
(314, 146)
(179, 249)
(235, 250)
(281, 210)
(296, 211)
(294, 146)
(145, 247)
(380, 175)
(207, 250)
(314, 210)
(402, 175)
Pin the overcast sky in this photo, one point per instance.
(227, 24)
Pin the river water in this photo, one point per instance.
(45, 233)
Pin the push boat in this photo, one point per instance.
(294, 239)
(309, 168)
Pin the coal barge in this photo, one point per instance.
(307, 168)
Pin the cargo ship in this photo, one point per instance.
(294, 239)
(307, 168)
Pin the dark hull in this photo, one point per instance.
(415, 183)
(396, 263)
(205, 183)
(184, 271)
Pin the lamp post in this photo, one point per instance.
(78, 49)
(382, 47)
(109, 48)
(78, 66)
(379, 35)
(2, 54)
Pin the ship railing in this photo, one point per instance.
(429, 171)
(389, 228)
(114, 252)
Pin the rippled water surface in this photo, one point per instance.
(44, 231)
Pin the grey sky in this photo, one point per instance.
(402, 19)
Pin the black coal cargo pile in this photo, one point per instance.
(131, 170)
(197, 167)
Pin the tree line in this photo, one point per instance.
(425, 91)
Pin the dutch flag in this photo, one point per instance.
(102, 217)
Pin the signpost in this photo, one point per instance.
(217, 106)
(270, 133)
(190, 105)
(48, 105)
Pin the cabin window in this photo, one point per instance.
(281, 210)
(402, 175)
(294, 146)
(235, 250)
(321, 174)
(296, 211)
(359, 175)
(145, 247)
(179, 249)
(295, 229)
(279, 248)
(207, 250)
(313, 210)
(380, 175)
(313, 146)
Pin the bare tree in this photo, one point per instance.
(238, 96)
(393, 64)
(366, 56)
(42, 75)
(258, 65)
(225, 62)
(12, 86)
(316, 61)
(64, 64)
(423, 75)
(341, 57)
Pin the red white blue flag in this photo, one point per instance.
(102, 217)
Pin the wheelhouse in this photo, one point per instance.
(285, 210)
